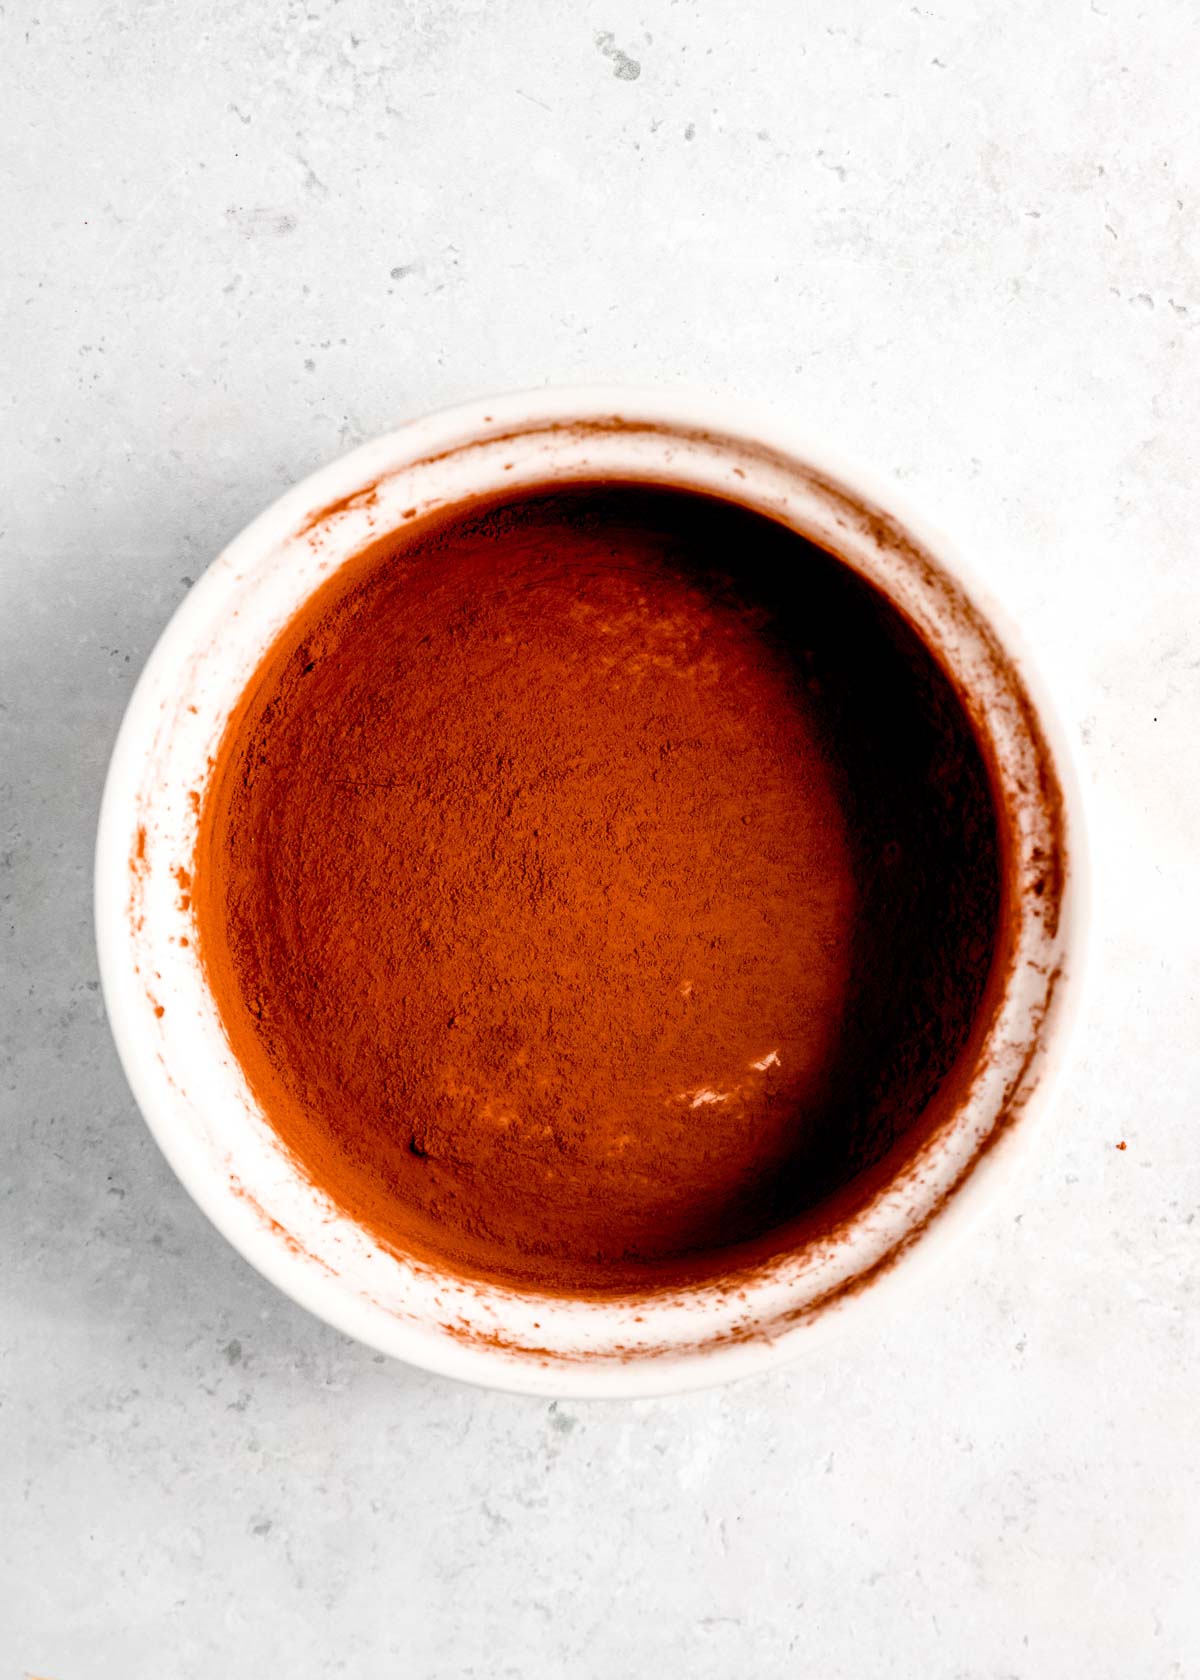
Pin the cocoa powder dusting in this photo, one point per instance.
(599, 889)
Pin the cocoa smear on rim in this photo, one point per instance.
(600, 891)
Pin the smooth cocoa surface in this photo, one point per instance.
(599, 889)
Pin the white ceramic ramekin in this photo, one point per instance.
(191, 1089)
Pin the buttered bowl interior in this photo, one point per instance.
(736, 1318)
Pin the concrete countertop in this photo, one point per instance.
(959, 239)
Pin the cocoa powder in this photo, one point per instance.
(599, 889)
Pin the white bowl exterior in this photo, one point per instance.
(192, 1090)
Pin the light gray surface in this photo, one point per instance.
(960, 240)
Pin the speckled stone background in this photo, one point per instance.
(960, 239)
